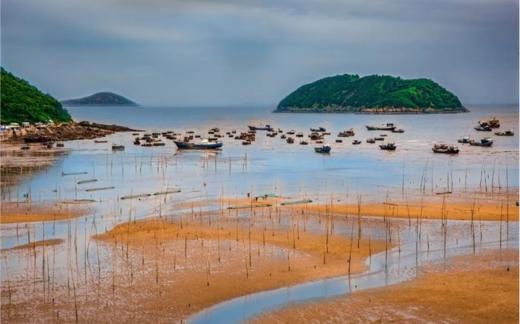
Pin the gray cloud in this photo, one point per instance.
(205, 52)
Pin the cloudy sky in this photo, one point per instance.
(233, 52)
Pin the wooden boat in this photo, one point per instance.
(264, 128)
(371, 140)
(485, 142)
(158, 144)
(315, 136)
(60, 145)
(291, 132)
(379, 138)
(290, 140)
(299, 135)
(356, 142)
(398, 130)
(303, 143)
(505, 133)
(319, 129)
(246, 143)
(446, 149)
(197, 146)
(116, 147)
(283, 136)
(346, 133)
(100, 141)
(491, 123)
(484, 128)
(387, 127)
(325, 149)
(339, 140)
(388, 147)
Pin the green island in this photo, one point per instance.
(100, 99)
(371, 94)
(23, 102)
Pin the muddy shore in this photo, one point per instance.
(468, 289)
(61, 132)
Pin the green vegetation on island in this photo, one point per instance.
(22, 102)
(101, 99)
(371, 94)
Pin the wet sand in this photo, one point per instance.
(460, 207)
(157, 270)
(21, 213)
(36, 244)
(469, 289)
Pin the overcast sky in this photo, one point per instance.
(211, 52)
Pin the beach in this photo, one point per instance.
(157, 234)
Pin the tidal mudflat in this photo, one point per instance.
(156, 234)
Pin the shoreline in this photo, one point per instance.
(368, 112)
(67, 131)
(470, 289)
(22, 213)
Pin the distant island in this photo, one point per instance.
(371, 94)
(100, 99)
(23, 102)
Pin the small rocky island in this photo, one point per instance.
(371, 94)
(101, 99)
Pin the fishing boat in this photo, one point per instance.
(505, 133)
(116, 147)
(388, 147)
(346, 133)
(315, 136)
(398, 130)
(385, 127)
(379, 138)
(303, 143)
(446, 149)
(483, 128)
(100, 141)
(485, 142)
(299, 134)
(492, 123)
(356, 142)
(203, 145)
(283, 136)
(319, 129)
(291, 132)
(246, 143)
(339, 140)
(261, 128)
(137, 141)
(371, 140)
(325, 149)
(290, 140)
(464, 140)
